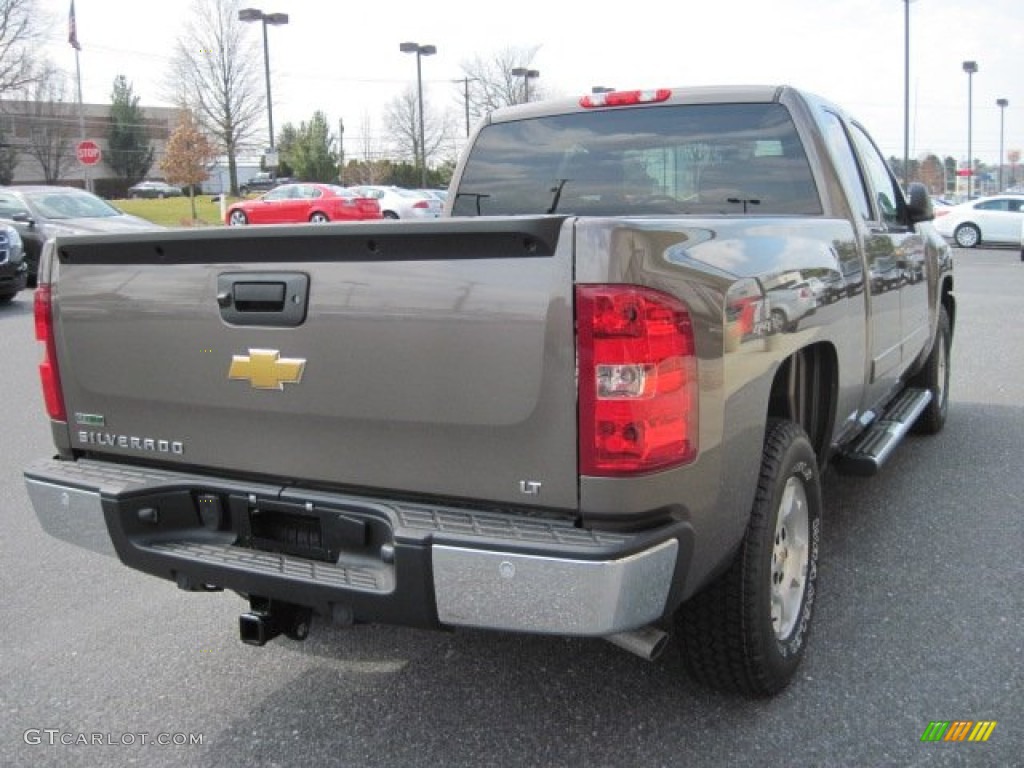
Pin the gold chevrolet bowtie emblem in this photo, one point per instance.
(266, 369)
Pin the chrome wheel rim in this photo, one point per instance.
(967, 237)
(790, 558)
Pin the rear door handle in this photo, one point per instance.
(277, 299)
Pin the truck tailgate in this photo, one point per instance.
(407, 357)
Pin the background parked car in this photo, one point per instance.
(159, 189)
(13, 270)
(41, 212)
(263, 182)
(787, 304)
(995, 219)
(398, 203)
(301, 203)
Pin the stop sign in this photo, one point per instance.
(88, 152)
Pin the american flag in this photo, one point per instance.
(73, 28)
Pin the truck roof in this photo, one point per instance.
(704, 94)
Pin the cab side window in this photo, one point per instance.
(848, 167)
(887, 195)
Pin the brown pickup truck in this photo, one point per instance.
(574, 405)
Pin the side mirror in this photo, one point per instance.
(919, 203)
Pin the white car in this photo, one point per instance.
(995, 219)
(398, 203)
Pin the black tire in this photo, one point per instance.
(389, 215)
(934, 376)
(967, 235)
(728, 632)
(7, 297)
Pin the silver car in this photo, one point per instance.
(398, 203)
(787, 304)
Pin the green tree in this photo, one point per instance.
(189, 153)
(312, 154)
(129, 151)
(285, 143)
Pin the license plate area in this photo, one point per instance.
(288, 533)
(306, 531)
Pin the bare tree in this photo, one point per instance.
(401, 116)
(22, 29)
(217, 74)
(492, 84)
(54, 126)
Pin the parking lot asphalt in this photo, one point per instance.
(918, 620)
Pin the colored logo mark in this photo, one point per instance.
(958, 730)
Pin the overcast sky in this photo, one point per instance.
(342, 57)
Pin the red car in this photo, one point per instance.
(299, 203)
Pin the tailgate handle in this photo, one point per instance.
(263, 298)
(259, 297)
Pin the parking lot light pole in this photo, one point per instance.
(466, 81)
(906, 92)
(275, 19)
(970, 67)
(1002, 104)
(526, 74)
(420, 51)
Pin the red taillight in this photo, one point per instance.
(624, 98)
(637, 381)
(421, 204)
(48, 372)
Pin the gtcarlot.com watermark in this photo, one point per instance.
(57, 737)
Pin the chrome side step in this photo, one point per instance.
(866, 455)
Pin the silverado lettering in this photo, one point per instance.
(596, 398)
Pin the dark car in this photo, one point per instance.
(13, 270)
(155, 189)
(41, 212)
(263, 182)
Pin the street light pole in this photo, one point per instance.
(466, 81)
(420, 51)
(1002, 104)
(970, 67)
(254, 14)
(906, 92)
(526, 74)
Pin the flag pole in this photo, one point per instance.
(81, 121)
(73, 40)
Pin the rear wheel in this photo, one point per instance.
(934, 376)
(390, 215)
(7, 297)
(747, 631)
(237, 219)
(319, 218)
(967, 235)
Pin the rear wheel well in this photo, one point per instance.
(805, 391)
(949, 302)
